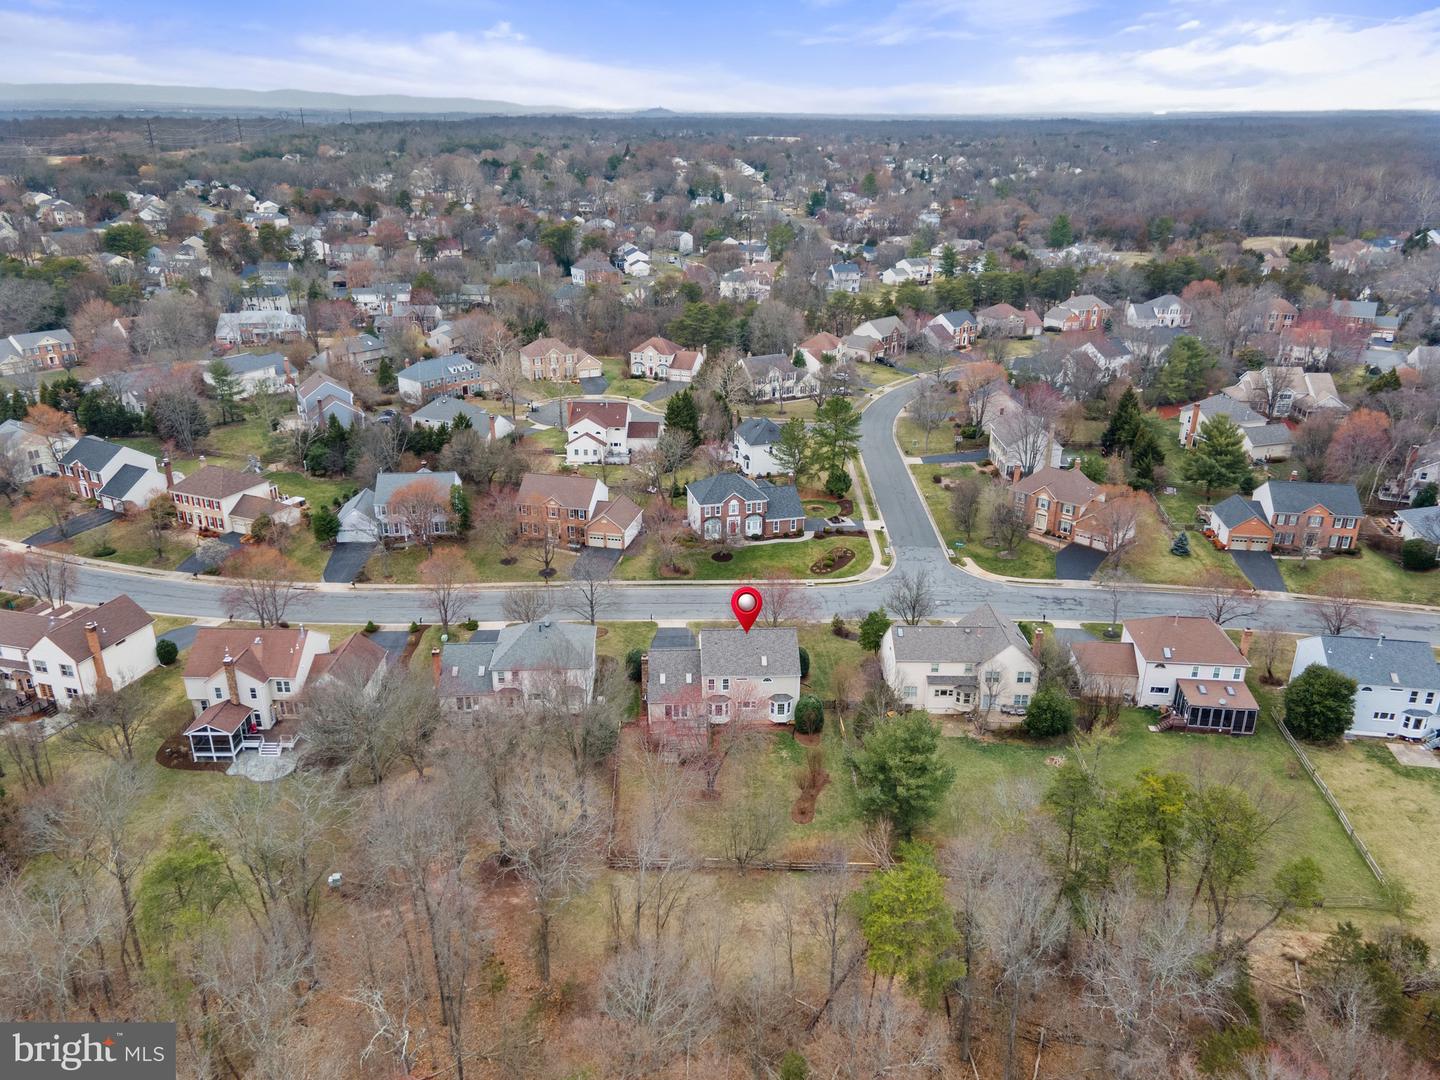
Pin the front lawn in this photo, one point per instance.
(132, 544)
(1029, 560)
(911, 438)
(793, 557)
(1149, 559)
(1378, 576)
(22, 519)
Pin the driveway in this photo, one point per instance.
(392, 641)
(971, 456)
(182, 636)
(91, 519)
(1076, 562)
(596, 384)
(1259, 567)
(346, 561)
(210, 554)
(664, 390)
(548, 414)
(595, 562)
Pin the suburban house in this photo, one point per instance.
(731, 507)
(980, 663)
(455, 375)
(1067, 504)
(957, 328)
(1195, 414)
(747, 283)
(1106, 669)
(1397, 681)
(603, 431)
(1189, 668)
(258, 327)
(1289, 515)
(751, 444)
(577, 510)
(1083, 312)
(320, 397)
(860, 347)
(1357, 314)
(1306, 345)
(660, 358)
(1107, 356)
(40, 454)
(889, 331)
(42, 349)
(256, 373)
(1277, 316)
(919, 269)
(362, 350)
(1422, 467)
(1417, 523)
(219, 500)
(1020, 443)
(1279, 392)
(542, 661)
(381, 512)
(593, 270)
(724, 677)
(358, 661)
(448, 410)
(814, 349)
(119, 478)
(774, 377)
(843, 277)
(1167, 310)
(551, 360)
(1004, 320)
(244, 686)
(60, 654)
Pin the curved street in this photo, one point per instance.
(916, 548)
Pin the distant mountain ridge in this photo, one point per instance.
(111, 96)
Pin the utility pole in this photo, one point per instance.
(351, 114)
(302, 119)
(239, 133)
(150, 131)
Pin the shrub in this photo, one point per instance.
(1426, 496)
(936, 478)
(872, 630)
(632, 663)
(1050, 713)
(1417, 554)
(325, 524)
(804, 662)
(104, 551)
(472, 625)
(809, 715)
(793, 1066)
(837, 627)
(166, 651)
(370, 627)
(837, 483)
(1319, 703)
(414, 627)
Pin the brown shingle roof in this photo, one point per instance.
(541, 346)
(359, 656)
(621, 512)
(116, 620)
(643, 429)
(21, 629)
(608, 414)
(1191, 639)
(252, 506)
(1105, 658)
(566, 490)
(663, 346)
(218, 482)
(1067, 485)
(223, 715)
(262, 654)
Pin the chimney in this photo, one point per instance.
(1039, 636)
(435, 664)
(644, 678)
(1294, 474)
(169, 472)
(229, 663)
(1246, 636)
(103, 684)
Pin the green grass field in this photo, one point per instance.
(1029, 560)
(1379, 577)
(752, 560)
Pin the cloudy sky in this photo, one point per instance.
(844, 56)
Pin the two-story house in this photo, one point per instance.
(454, 411)
(244, 686)
(979, 663)
(958, 329)
(1020, 441)
(1276, 316)
(1421, 468)
(739, 678)
(552, 360)
(117, 477)
(386, 510)
(558, 506)
(549, 660)
(41, 350)
(889, 331)
(455, 375)
(660, 358)
(1068, 505)
(1288, 515)
(1306, 345)
(1005, 320)
(59, 655)
(40, 454)
(258, 327)
(752, 444)
(1168, 310)
(728, 506)
(320, 397)
(1397, 681)
(257, 373)
(1188, 667)
(814, 349)
(842, 277)
(1082, 312)
(774, 377)
(219, 500)
(1287, 392)
(1196, 413)
(1356, 314)
(604, 431)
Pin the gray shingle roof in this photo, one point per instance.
(247, 363)
(92, 452)
(444, 409)
(460, 667)
(1237, 509)
(1425, 520)
(125, 478)
(1297, 496)
(388, 483)
(1223, 405)
(439, 367)
(734, 653)
(545, 644)
(1382, 661)
(782, 501)
(758, 431)
(1268, 435)
(980, 635)
(669, 670)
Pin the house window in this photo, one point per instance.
(71, 693)
(219, 693)
(779, 708)
(709, 684)
(39, 666)
(1215, 673)
(1239, 673)
(1195, 672)
(1159, 690)
(282, 686)
(910, 692)
(1383, 716)
(254, 694)
(1414, 696)
(1022, 700)
(724, 684)
(67, 671)
(1023, 678)
(934, 669)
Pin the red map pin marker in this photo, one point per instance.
(746, 604)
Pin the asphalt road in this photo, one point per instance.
(917, 549)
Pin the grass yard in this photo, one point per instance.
(22, 519)
(1149, 558)
(1029, 560)
(617, 372)
(878, 374)
(132, 543)
(911, 438)
(316, 490)
(751, 560)
(165, 623)
(526, 568)
(1385, 801)
(549, 439)
(1379, 577)
(827, 654)
(780, 411)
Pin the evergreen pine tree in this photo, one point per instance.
(682, 414)
(1181, 546)
(1218, 459)
(1124, 424)
(1145, 453)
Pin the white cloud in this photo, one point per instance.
(1192, 24)
(1246, 65)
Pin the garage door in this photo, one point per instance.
(616, 542)
(595, 540)
(1252, 543)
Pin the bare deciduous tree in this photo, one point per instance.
(967, 499)
(1224, 601)
(1342, 608)
(591, 591)
(107, 722)
(445, 573)
(663, 1003)
(931, 407)
(366, 726)
(911, 597)
(262, 584)
(49, 578)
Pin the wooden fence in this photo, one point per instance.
(1334, 802)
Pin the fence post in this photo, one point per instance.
(1334, 803)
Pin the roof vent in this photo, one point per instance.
(662, 678)
(899, 631)
(764, 661)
